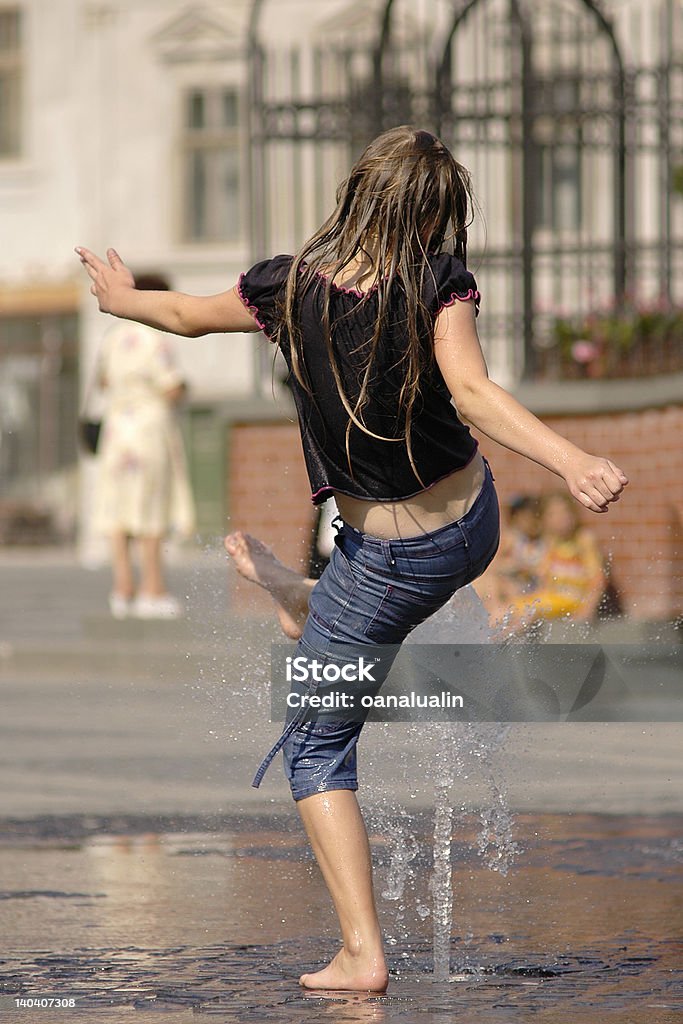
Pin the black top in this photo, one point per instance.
(379, 470)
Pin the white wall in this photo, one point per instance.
(100, 167)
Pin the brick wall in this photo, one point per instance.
(642, 533)
(268, 496)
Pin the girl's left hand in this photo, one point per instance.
(594, 481)
(110, 280)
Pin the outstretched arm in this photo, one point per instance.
(593, 481)
(188, 315)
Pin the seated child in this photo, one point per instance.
(571, 576)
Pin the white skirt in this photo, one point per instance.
(143, 487)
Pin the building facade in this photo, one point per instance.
(196, 137)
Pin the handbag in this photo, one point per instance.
(88, 429)
(89, 434)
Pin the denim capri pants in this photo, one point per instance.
(374, 592)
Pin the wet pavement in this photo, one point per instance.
(586, 925)
(140, 875)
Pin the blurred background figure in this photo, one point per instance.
(142, 490)
(571, 578)
(515, 568)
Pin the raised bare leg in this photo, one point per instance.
(337, 833)
(289, 589)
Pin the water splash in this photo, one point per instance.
(404, 849)
(463, 750)
(235, 660)
(458, 751)
(467, 752)
(496, 844)
(442, 881)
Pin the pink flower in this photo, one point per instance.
(584, 351)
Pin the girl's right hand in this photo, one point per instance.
(110, 280)
(595, 481)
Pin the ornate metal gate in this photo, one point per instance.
(535, 98)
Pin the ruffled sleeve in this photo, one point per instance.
(261, 288)
(450, 283)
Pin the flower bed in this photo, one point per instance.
(632, 342)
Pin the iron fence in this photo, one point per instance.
(571, 126)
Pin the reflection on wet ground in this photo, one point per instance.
(127, 915)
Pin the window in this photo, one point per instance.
(212, 166)
(559, 192)
(558, 153)
(38, 397)
(10, 82)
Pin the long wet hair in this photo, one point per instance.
(405, 197)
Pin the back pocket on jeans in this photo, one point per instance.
(399, 613)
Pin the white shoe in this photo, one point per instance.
(119, 606)
(164, 607)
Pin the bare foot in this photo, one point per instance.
(348, 973)
(289, 590)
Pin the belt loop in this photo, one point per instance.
(388, 553)
(463, 532)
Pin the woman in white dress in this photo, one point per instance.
(143, 490)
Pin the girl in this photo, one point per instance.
(515, 570)
(376, 319)
(571, 576)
